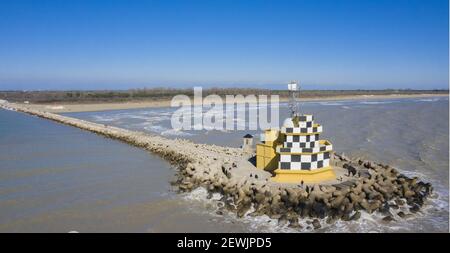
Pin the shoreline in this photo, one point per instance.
(106, 106)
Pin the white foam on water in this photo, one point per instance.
(198, 194)
(175, 132)
(428, 100)
(375, 102)
(102, 118)
(439, 198)
(9, 109)
(254, 224)
(367, 223)
(155, 128)
(330, 103)
(143, 117)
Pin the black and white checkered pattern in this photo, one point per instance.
(316, 128)
(304, 161)
(310, 144)
(302, 149)
(301, 138)
(299, 150)
(301, 141)
(305, 124)
(306, 118)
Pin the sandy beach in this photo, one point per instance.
(90, 107)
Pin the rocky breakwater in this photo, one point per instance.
(365, 186)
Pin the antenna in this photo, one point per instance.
(294, 92)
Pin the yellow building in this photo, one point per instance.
(296, 153)
(266, 156)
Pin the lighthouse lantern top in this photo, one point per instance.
(293, 86)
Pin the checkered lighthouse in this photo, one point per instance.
(303, 156)
(296, 153)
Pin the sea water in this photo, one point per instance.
(411, 134)
(58, 178)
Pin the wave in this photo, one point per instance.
(368, 223)
(174, 132)
(330, 103)
(428, 100)
(375, 102)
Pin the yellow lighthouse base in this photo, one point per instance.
(307, 176)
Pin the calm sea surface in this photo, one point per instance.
(58, 178)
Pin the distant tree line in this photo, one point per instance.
(167, 93)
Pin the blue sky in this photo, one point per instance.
(326, 44)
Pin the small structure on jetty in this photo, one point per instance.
(295, 153)
(247, 145)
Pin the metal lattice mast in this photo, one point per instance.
(294, 88)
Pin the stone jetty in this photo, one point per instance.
(362, 186)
